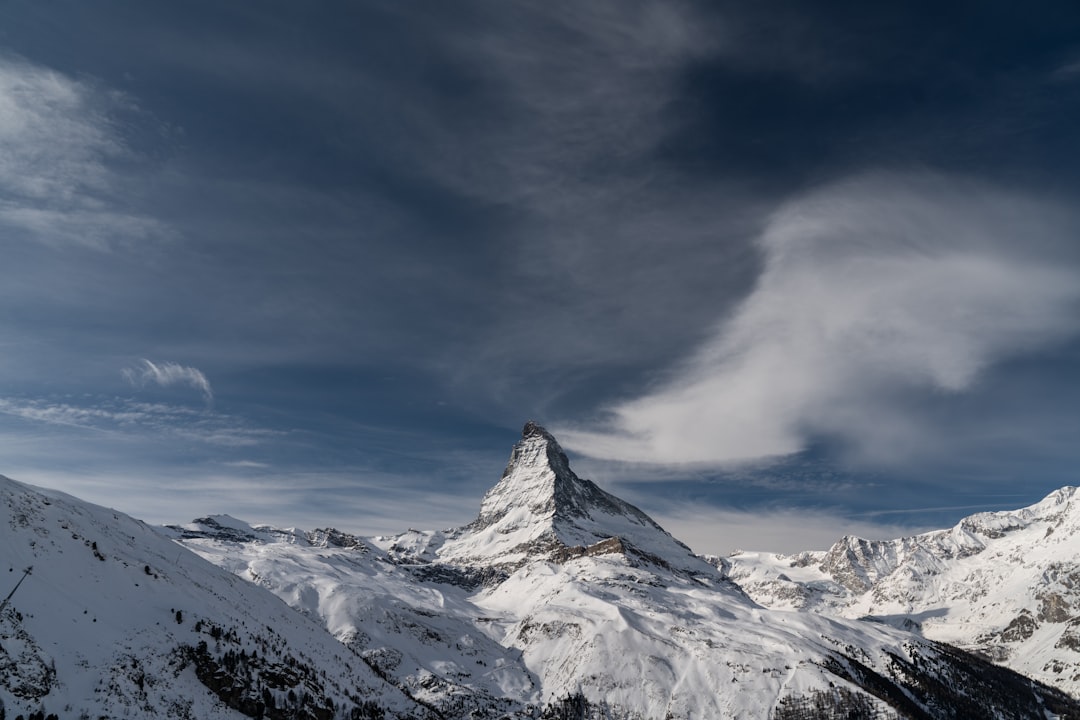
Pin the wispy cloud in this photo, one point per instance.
(249, 464)
(571, 106)
(874, 290)
(169, 373)
(60, 137)
(123, 418)
(68, 415)
(587, 86)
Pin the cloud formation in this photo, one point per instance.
(570, 107)
(874, 290)
(169, 373)
(59, 137)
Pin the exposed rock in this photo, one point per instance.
(1022, 627)
(331, 537)
(1054, 608)
(1070, 638)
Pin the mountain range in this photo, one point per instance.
(1005, 585)
(559, 601)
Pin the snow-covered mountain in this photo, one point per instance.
(116, 620)
(541, 510)
(1003, 584)
(562, 600)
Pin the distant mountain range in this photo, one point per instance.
(1005, 585)
(559, 601)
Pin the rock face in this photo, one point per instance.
(1003, 584)
(561, 600)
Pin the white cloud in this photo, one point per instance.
(873, 290)
(58, 137)
(169, 373)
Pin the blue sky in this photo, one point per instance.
(773, 274)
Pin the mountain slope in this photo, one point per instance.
(413, 622)
(1004, 584)
(116, 620)
(580, 602)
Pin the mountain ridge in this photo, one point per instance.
(115, 619)
(1004, 584)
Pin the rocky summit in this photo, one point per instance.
(541, 509)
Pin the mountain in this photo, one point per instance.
(1005, 585)
(563, 601)
(541, 510)
(116, 620)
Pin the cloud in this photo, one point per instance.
(876, 291)
(602, 245)
(124, 419)
(60, 138)
(67, 415)
(169, 373)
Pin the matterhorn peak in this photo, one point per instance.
(533, 428)
(538, 480)
(538, 450)
(533, 435)
(541, 509)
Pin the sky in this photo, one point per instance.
(773, 272)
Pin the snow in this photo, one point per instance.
(541, 505)
(100, 625)
(659, 648)
(965, 585)
(515, 609)
(557, 589)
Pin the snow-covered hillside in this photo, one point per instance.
(562, 597)
(1004, 584)
(413, 622)
(116, 620)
